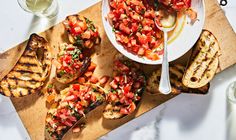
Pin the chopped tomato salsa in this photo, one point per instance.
(126, 87)
(70, 59)
(134, 27)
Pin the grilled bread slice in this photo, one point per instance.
(127, 87)
(31, 70)
(70, 65)
(204, 61)
(81, 31)
(73, 103)
(176, 74)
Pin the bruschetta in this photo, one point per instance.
(72, 104)
(81, 31)
(70, 63)
(127, 87)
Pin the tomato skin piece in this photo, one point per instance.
(103, 80)
(76, 129)
(142, 38)
(93, 79)
(151, 55)
(76, 86)
(121, 66)
(88, 74)
(81, 80)
(124, 28)
(67, 123)
(113, 84)
(130, 95)
(124, 111)
(141, 51)
(132, 107)
(71, 97)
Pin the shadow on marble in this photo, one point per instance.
(39, 23)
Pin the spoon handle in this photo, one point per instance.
(165, 86)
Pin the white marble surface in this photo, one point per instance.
(182, 118)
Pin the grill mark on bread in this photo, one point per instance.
(202, 68)
(27, 75)
(27, 71)
(18, 79)
(176, 74)
(208, 68)
(28, 64)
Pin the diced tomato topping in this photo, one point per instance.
(121, 66)
(76, 86)
(112, 97)
(68, 123)
(132, 107)
(92, 67)
(81, 80)
(88, 74)
(103, 80)
(113, 84)
(71, 97)
(76, 129)
(124, 111)
(93, 79)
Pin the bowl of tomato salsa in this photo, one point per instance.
(130, 26)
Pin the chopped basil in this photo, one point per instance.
(75, 55)
(88, 21)
(62, 72)
(50, 86)
(113, 91)
(92, 104)
(99, 97)
(142, 11)
(113, 29)
(156, 3)
(140, 27)
(94, 89)
(79, 41)
(90, 25)
(77, 115)
(130, 34)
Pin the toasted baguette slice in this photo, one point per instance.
(31, 70)
(203, 67)
(70, 108)
(74, 53)
(176, 74)
(128, 75)
(87, 34)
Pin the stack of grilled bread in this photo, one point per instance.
(200, 70)
(31, 70)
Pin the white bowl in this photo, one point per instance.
(176, 48)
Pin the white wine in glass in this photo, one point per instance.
(42, 8)
(38, 5)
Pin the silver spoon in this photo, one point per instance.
(166, 23)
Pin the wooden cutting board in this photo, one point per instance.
(32, 109)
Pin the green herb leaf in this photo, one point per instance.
(142, 11)
(156, 4)
(50, 85)
(99, 97)
(62, 72)
(140, 27)
(79, 41)
(113, 29)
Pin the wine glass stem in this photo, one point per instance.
(165, 86)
